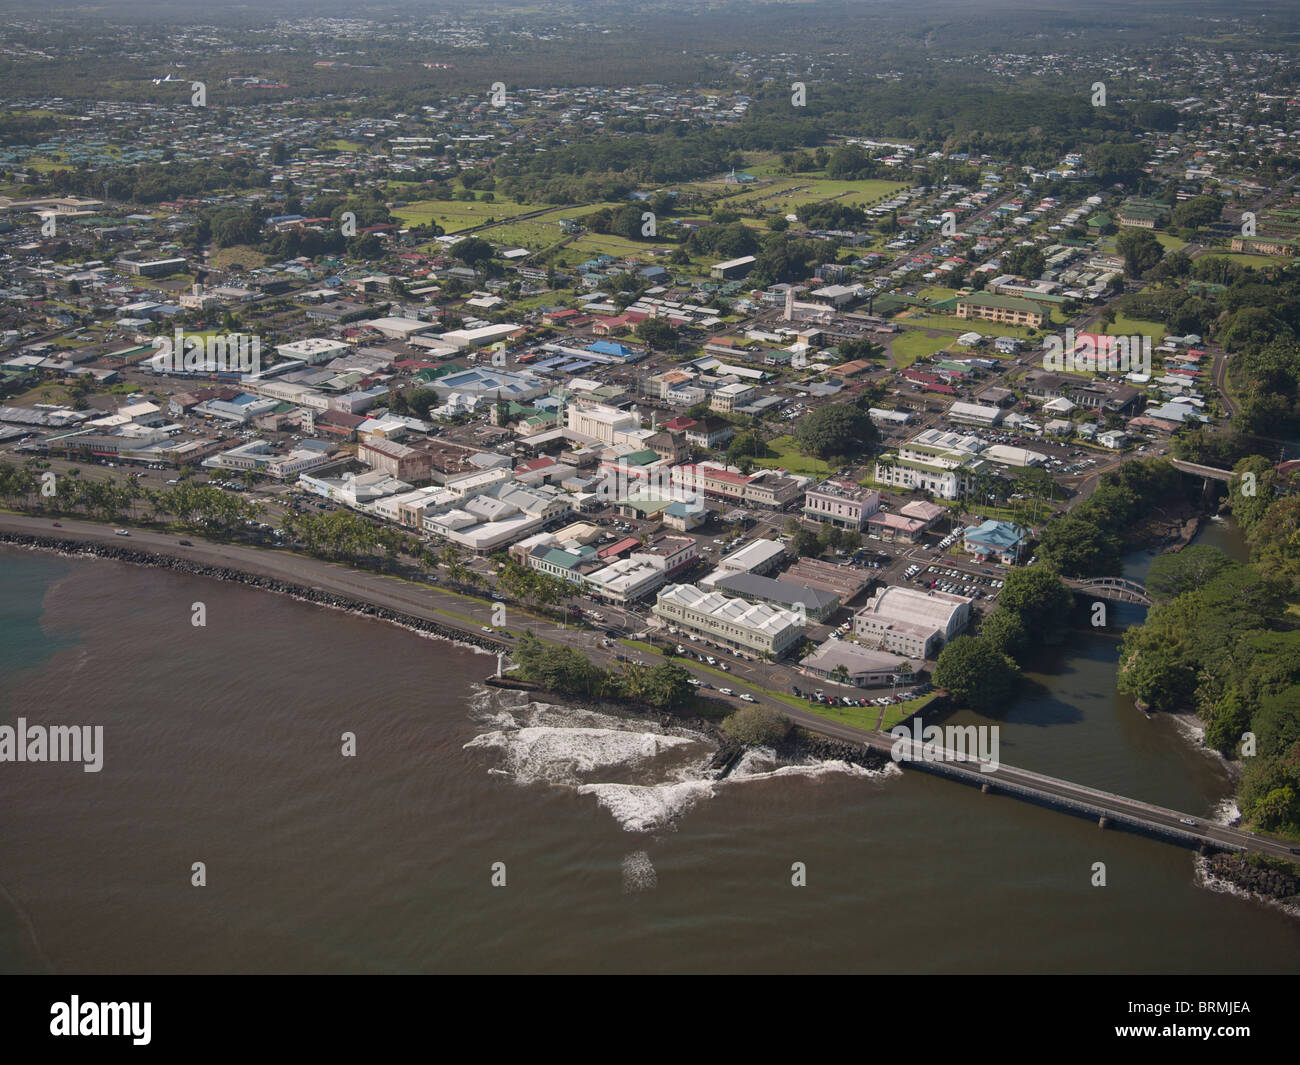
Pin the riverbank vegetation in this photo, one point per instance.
(1091, 539)
(1222, 639)
(1033, 611)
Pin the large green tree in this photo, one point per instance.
(976, 673)
(839, 429)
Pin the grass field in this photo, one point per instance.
(787, 193)
(936, 293)
(865, 716)
(238, 253)
(455, 215)
(1258, 262)
(542, 232)
(913, 344)
(1125, 326)
(788, 458)
(970, 325)
(1170, 243)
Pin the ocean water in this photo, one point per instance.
(481, 831)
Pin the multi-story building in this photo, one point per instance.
(397, 460)
(1010, 309)
(314, 350)
(731, 397)
(749, 628)
(498, 516)
(943, 464)
(912, 623)
(603, 423)
(841, 503)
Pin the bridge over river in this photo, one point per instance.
(1117, 589)
(1212, 473)
(1106, 808)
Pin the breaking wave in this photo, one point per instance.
(644, 775)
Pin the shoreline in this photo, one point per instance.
(315, 596)
(798, 744)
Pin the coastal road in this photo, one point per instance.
(468, 615)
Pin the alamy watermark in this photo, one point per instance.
(55, 743)
(1093, 352)
(951, 743)
(217, 353)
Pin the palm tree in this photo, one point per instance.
(841, 673)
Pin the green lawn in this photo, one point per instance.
(914, 344)
(971, 325)
(787, 192)
(936, 293)
(865, 717)
(1126, 326)
(1257, 262)
(455, 215)
(789, 458)
(1170, 243)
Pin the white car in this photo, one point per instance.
(746, 697)
(725, 691)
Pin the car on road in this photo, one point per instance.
(58, 525)
(747, 697)
(725, 691)
(185, 543)
(121, 532)
(1187, 821)
(486, 628)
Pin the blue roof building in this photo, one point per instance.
(996, 539)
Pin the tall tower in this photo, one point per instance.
(789, 304)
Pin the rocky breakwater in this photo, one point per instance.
(1270, 881)
(271, 584)
(803, 744)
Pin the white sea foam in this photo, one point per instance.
(638, 873)
(566, 755)
(644, 808)
(1226, 812)
(760, 763)
(644, 775)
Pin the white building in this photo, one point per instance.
(759, 556)
(751, 628)
(313, 350)
(841, 503)
(730, 397)
(975, 413)
(625, 580)
(934, 461)
(497, 517)
(912, 623)
(607, 424)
